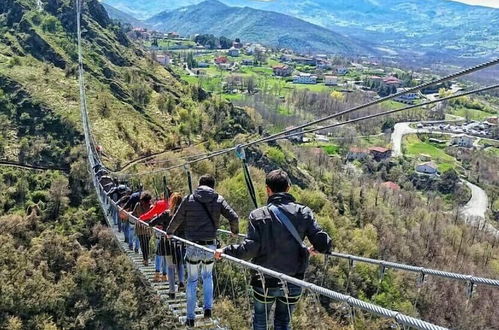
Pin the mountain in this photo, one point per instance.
(439, 28)
(267, 27)
(121, 16)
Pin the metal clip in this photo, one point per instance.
(240, 153)
(470, 289)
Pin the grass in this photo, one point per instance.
(472, 113)
(415, 147)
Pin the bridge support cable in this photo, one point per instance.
(421, 271)
(241, 154)
(351, 301)
(380, 100)
(381, 114)
(291, 133)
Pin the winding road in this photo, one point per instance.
(474, 211)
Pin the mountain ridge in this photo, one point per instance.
(267, 27)
(439, 28)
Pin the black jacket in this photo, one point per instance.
(198, 226)
(270, 244)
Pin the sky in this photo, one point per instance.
(489, 3)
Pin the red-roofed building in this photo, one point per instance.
(221, 60)
(392, 81)
(391, 185)
(282, 70)
(355, 153)
(380, 153)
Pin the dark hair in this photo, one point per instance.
(207, 180)
(145, 197)
(277, 181)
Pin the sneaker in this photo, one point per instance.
(145, 263)
(181, 286)
(189, 323)
(164, 278)
(171, 296)
(157, 277)
(136, 250)
(207, 313)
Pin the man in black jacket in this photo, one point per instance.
(275, 241)
(200, 214)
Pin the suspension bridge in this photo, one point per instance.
(178, 304)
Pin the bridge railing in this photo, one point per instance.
(108, 204)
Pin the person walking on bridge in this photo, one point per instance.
(275, 241)
(200, 213)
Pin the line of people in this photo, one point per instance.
(275, 240)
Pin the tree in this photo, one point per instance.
(58, 194)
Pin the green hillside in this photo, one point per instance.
(249, 24)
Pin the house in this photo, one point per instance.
(295, 138)
(463, 140)
(390, 185)
(163, 59)
(427, 168)
(321, 138)
(374, 78)
(173, 35)
(380, 153)
(304, 60)
(305, 78)
(341, 71)
(248, 62)
(282, 70)
(225, 66)
(203, 65)
(234, 52)
(237, 45)
(392, 81)
(286, 58)
(406, 98)
(221, 60)
(324, 65)
(356, 154)
(330, 80)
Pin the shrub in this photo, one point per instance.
(49, 24)
(276, 155)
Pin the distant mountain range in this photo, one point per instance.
(422, 27)
(267, 27)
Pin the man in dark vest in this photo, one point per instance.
(200, 213)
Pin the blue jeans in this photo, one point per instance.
(284, 308)
(197, 260)
(133, 238)
(126, 230)
(160, 264)
(172, 268)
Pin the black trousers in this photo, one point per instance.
(144, 245)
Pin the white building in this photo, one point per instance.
(463, 140)
(234, 52)
(330, 80)
(305, 78)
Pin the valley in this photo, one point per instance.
(418, 187)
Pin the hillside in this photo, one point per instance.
(121, 15)
(270, 28)
(436, 28)
(132, 100)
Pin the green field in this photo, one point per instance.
(414, 147)
(473, 114)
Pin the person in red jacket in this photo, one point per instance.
(159, 208)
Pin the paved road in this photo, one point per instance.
(474, 211)
(399, 131)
